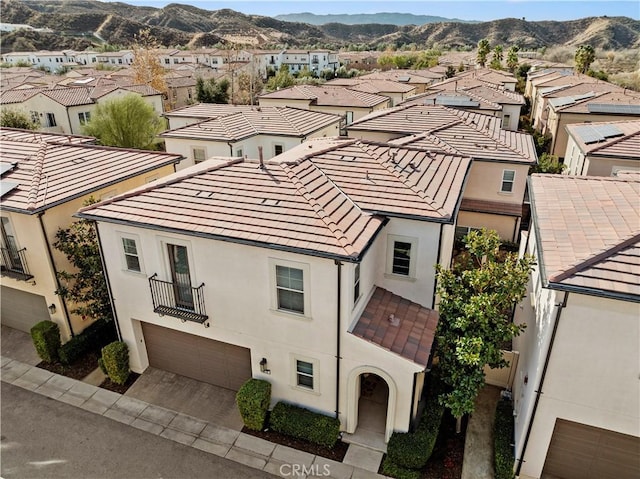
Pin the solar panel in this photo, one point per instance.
(562, 101)
(597, 133)
(5, 167)
(584, 96)
(6, 187)
(613, 109)
(456, 101)
(404, 79)
(608, 131)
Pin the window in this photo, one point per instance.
(132, 260)
(35, 118)
(462, 231)
(166, 61)
(180, 275)
(508, 176)
(356, 284)
(290, 289)
(198, 154)
(239, 153)
(304, 374)
(349, 117)
(278, 149)
(10, 251)
(51, 120)
(506, 120)
(401, 256)
(119, 60)
(84, 117)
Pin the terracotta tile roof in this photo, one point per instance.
(41, 136)
(580, 103)
(455, 131)
(478, 89)
(284, 121)
(17, 95)
(453, 99)
(588, 232)
(209, 110)
(491, 207)
(282, 206)
(626, 145)
(415, 77)
(378, 86)
(412, 337)
(49, 173)
(328, 96)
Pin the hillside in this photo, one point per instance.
(398, 19)
(79, 22)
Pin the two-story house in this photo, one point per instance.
(494, 195)
(576, 395)
(46, 178)
(396, 91)
(255, 132)
(313, 270)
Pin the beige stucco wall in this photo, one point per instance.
(43, 105)
(506, 226)
(485, 181)
(336, 110)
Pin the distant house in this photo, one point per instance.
(603, 148)
(576, 395)
(420, 79)
(255, 132)
(313, 270)
(45, 179)
(495, 191)
(396, 91)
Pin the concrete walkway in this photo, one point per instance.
(478, 446)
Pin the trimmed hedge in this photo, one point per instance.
(93, 338)
(305, 424)
(391, 469)
(46, 340)
(253, 400)
(115, 360)
(412, 450)
(503, 432)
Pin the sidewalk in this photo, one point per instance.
(214, 439)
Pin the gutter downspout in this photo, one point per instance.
(560, 306)
(339, 265)
(106, 278)
(55, 273)
(435, 282)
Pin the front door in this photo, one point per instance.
(180, 276)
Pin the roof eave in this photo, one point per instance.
(601, 293)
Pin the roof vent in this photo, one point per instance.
(393, 321)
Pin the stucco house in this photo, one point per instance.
(603, 148)
(46, 178)
(256, 132)
(576, 395)
(494, 195)
(395, 90)
(313, 270)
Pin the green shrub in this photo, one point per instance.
(253, 400)
(304, 424)
(115, 359)
(391, 469)
(503, 431)
(102, 367)
(93, 338)
(46, 340)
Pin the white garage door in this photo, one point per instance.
(206, 360)
(21, 310)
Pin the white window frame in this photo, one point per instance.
(162, 242)
(84, 117)
(413, 257)
(294, 374)
(503, 181)
(273, 262)
(198, 149)
(123, 254)
(357, 283)
(239, 153)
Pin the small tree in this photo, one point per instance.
(210, 91)
(585, 56)
(451, 72)
(146, 66)
(476, 299)
(512, 58)
(282, 79)
(86, 286)
(548, 164)
(10, 118)
(127, 122)
(483, 51)
(496, 59)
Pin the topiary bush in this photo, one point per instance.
(391, 469)
(46, 340)
(115, 360)
(93, 338)
(253, 400)
(503, 431)
(304, 424)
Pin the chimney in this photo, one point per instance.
(261, 158)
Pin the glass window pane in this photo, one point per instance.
(508, 175)
(306, 381)
(133, 263)
(507, 187)
(291, 301)
(304, 367)
(401, 258)
(290, 278)
(129, 246)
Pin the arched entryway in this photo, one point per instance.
(371, 404)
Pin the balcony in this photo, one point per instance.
(14, 263)
(178, 301)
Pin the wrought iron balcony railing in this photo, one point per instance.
(178, 300)
(14, 263)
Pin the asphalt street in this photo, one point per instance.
(44, 438)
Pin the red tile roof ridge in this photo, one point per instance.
(36, 179)
(340, 235)
(632, 239)
(191, 172)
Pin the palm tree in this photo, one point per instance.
(496, 60)
(483, 50)
(512, 58)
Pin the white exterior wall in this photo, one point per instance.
(514, 116)
(43, 105)
(574, 158)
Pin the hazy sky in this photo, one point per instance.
(463, 9)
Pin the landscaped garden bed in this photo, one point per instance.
(120, 388)
(77, 370)
(446, 460)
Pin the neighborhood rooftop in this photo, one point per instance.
(328, 96)
(620, 138)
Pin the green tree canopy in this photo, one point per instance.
(212, 91)
(548, 164)
(127, 122)
(512, 58)
(476, 299)
(497, 57)
(282, 79)
(483, 51)
(10, 118)
(585, 56)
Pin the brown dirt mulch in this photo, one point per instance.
(446, 460)
(78, 370)
(120, 388)
(336, 453)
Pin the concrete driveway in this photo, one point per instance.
(201, 400)
(18, 345)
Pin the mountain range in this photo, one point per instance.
(387, 18)
(79, 24)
